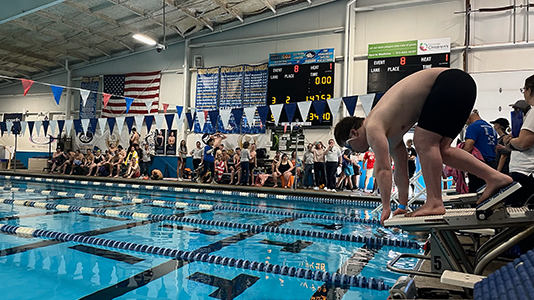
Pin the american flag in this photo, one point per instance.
(142, 87)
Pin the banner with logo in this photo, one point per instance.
(89, 110)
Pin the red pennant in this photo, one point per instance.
(285, 128)
(26, 84)
(205, 114)
(165, 106)
(106, 99)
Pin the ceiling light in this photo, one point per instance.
(145, 39)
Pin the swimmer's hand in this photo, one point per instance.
(386, 212)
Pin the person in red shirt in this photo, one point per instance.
(368, 165)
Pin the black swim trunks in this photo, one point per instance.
(449, 103)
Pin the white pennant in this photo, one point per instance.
(37, 127)
(159, 121)
(225, 114)
(179, 122)
(276, 110)
(120, 124)
(367, 102)
(53, 126)
(84, 94)
(148, 106)
(139, 123)
(9, 126)
(201, 119)
(102, 123)
(68, 127)
(334, 104)
(23, 125)
(304, 109)
(85, 125)
(249, 113)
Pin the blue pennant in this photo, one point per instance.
(350, 104)
(290, 109)
(148, 121)
(319, 108)
(111, 124)
(169, 118)
(129, 123)
(214, 117)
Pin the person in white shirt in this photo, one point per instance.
(333, 161)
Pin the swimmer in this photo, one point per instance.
(439, 100)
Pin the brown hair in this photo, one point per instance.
(529, 83)
(343, 127)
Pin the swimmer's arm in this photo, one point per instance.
(400, 158)
(469, 145)
(382, 166)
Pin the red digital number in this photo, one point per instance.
(403, 61)
(296, 69)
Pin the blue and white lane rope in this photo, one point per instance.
(359, 203)
(327, 277)
(218, 207)
(371, 242)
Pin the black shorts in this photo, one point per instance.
(449, 103)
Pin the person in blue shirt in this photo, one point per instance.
(212, 143)
(481, 135)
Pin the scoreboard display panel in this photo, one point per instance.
(383, 73)
(301, 76)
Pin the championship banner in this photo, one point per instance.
(230, 95)
(254, 94)
(88, 110)
(207, 95)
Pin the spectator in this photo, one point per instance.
(480, 135)
(348, 171)
(208, 160)
(285, 167)
(274, 168)
(297, 164)
(182, 157)
(132, 163)
(368, 165)
(58, 158)
(319, 165)
(501, 126)
(96, 163)
(197, 153)
(333, 161)
(134, 139)
(308, 167)
(146, 160)
(412, 155)
(252, 162)
(245, 158)
(236, 168)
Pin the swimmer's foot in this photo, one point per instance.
(427, 210)
(494, 186)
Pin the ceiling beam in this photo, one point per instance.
(145, 14)
(224, 5)
(18, 9)
(190, 13)
(47, 47)
(28, 53)
(270, 5)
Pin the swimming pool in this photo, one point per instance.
(70, 239)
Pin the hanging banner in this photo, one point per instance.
(367, 103)
(88, 106)
(276, 111)
(139, 122)
(334, 104)
(53, 126)
(206, 95)
(230, 96)
(148, 121)
(250, 112)
(304, 109)
(102, 124)
(350, 104)
(225, 114)
(57, 91)
(159, 121)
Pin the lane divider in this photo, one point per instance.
(335, 278)
(371, 242)
(217, 207)
(359, 203)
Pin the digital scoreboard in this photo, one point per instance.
(301, 76)
(390, 62)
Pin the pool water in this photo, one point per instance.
(46, 268)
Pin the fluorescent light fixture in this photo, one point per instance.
(145, 39)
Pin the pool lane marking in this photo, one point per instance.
(217, 207)
(372, 242)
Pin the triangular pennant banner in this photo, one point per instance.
(53, 126)
(238, 114)
(189, 117)
(139, 123)
(249, 114)
(290, 109)
(263, 111)
(111, 124)
(179, 110)
(45, 126)
(129, 102)
(2, 128)
(169, 119)
(120, 124)
(68, 127)
(57, 91)
(105, 99)
(129, 123)
(26, 85)
(9, 126)
(334, 104)
(16, 127)
(214, 118)
(60, 125)
(102, 124)
(179, 122)
(350, 104)
(148, 105)
(367, 103)
(92, 125)
(165, 106)
(319, 109)
(276, 110)
(201, 119)
(84, 94)
(38, 127)
(225, 116)
(304, 109)
(78, 126)
(23, 125)
(159, 121)
(85, 125)
(148, 121)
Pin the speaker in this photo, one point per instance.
(198, 61)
